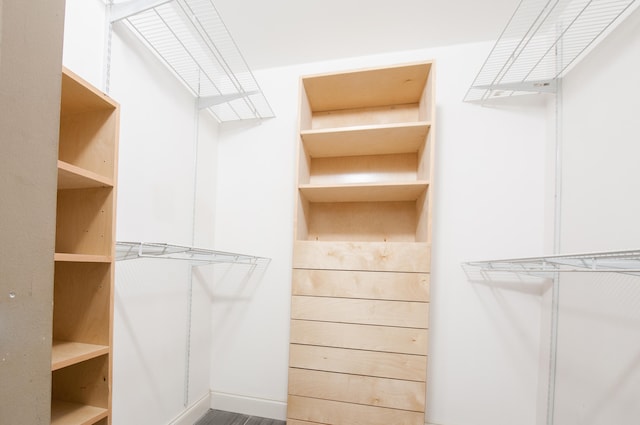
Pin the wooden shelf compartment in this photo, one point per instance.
(391, 160)
(81, 392)
(66, 353)
(89, 124)
(82, 304)
(85, 221)
(365, 139)
(394, 94)
(373, 217)
(66, 413)
(72, 177)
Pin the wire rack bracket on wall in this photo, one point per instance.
(542, 41)
(191, 39)
(627, 262)
(133, 250)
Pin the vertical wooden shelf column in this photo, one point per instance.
(82, 352)
(361, 260)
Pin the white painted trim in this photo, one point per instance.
(260, 407)
(193, 412)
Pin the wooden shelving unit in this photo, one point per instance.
(360, 293)
(85, 254)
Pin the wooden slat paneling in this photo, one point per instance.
(338, 413)
(371, 285)
(367, 312)
(359, 362)
(371, 256)
(360, 337)
(382, 392)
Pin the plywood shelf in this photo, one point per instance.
(379, 139)
(371, 192)
(82, 258)
(73, 177)
(367, 88)
(65, 413)
(65, 353)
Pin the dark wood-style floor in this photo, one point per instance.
(218, 417)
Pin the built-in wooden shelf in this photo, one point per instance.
(73, 177)
(369, 192)
(82, 258)
(65, 353)
(378, 139)
(362, 244)
(65, 413)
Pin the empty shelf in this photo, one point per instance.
(66, 353)
(72, 177)
(82, 258)
(541, 42)
(189, 37)
(366, 140)
(372, 192)
(603, 262)
(65, 413)
(133, 250)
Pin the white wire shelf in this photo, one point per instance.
(542, 41)
(191, 39)
(627, 262)
(134, 250)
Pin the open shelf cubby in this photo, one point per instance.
(365, 155)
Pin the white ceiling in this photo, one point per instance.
(273, 33)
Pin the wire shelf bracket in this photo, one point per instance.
(542, 42)
(191, 39)
(627, 262)
(134, 250)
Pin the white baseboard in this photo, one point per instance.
(194, 412)
(263, 408)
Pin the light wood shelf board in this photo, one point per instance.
(366, 390)
(335, 412)
(407, 367)
(365, 285)
(65, 353)
(369, 256)
(65, 413)
(366, 140)
(371, 192)
(360, 337)
(79, 96)
(73, 177)
(402, 314)
(82, 258)
(367, 88)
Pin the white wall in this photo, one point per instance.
(489, 202)
(159, 174)
(598, 379)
